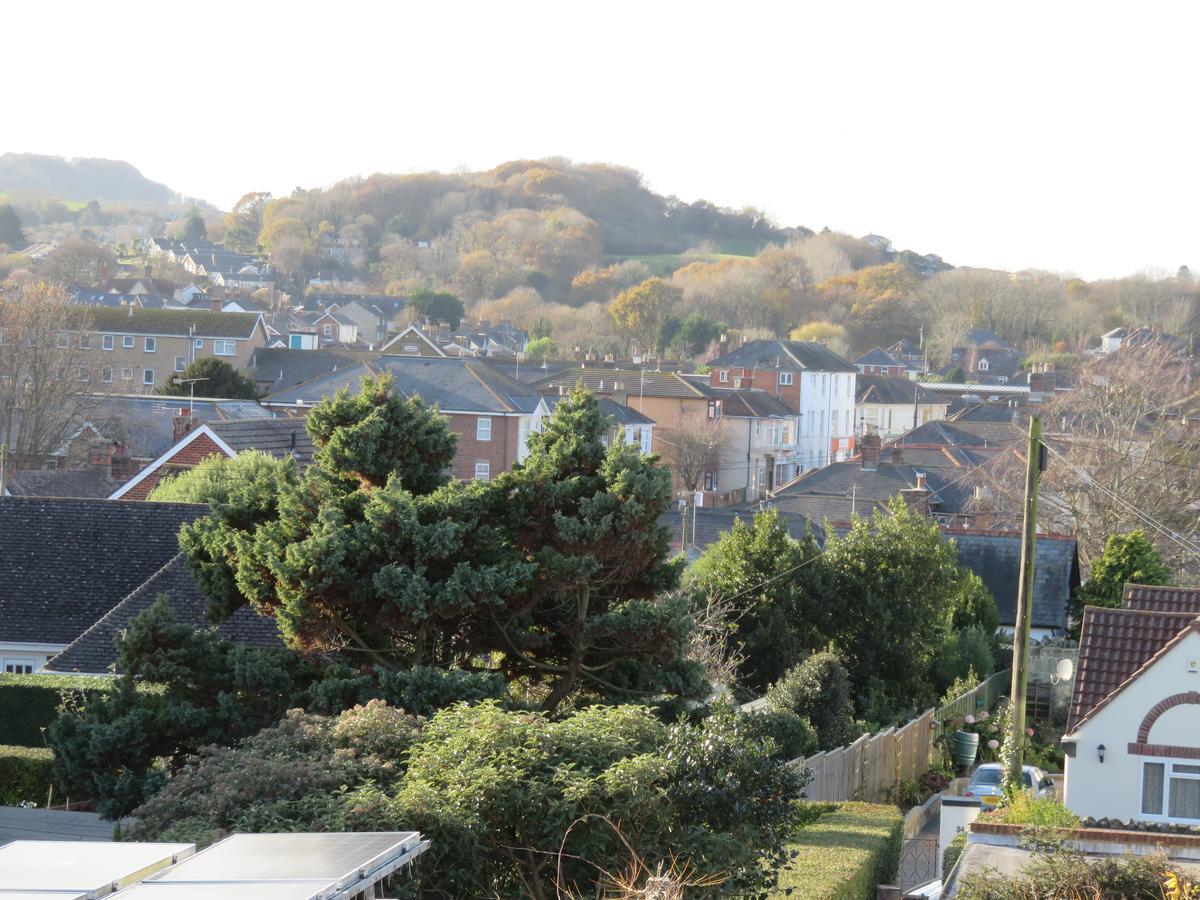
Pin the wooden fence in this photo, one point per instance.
(868, 768)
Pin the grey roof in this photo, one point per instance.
(279, 437)
(94, 652)
(68, 562)
(281, 367)
(976, 411)
(776, 354)
(617, 413)
(82, 483)
(712, 523)
(840, 489)
(451, 383)
(631, 381)
(926, 458)
(143, 423)
(877, 356)
(991, 435)
(174, 322)
(985, 338)
(996, 559)
(892, 389)
(746, 403)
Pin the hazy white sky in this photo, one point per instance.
(1052, 135)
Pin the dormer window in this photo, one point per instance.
(982, 365)
(723, 376)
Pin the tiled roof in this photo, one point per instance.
(838, 489)
(993, 435)
(926, 458)
(174, 322)
(82, 483)
(996, 559)
(877, 357)
(145, 424)
(749, 403)
(279, 437)
(892, 389)
(975, 411)
(281, 367)
(712, 523)
(1161, 599)
(617, 413)
(1115, 644)
(775, 354)
(94, 652)
(65, 563)
(631, 381)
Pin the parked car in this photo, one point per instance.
(987, 783)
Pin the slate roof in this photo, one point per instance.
(975, 411)
(712, 523)
(632, 381)
(174, 322)
(94, 652)
(1115, 644)
(82, 483)
(985, 338)
(749, 403)
(452, 383)
(1161, 599)
(143, 423)
(985, 435)
(926, 458)
(839, 489)
(65, 563)
(776, 354)
(877, 357)
(892, 389)
(279, 437)
(617, 413)
(996, 559)
(281, 367)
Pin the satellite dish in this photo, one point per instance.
(1065, 669)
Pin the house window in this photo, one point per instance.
(82, 373)
(106, 375)
(723, 376)
(785, 378)
(483, 429)
(483, 470)
(1176, 791)
(983, 365)
(180, 363)
(714, 409)
(411, 348)
(198, 343)
(18, 667)
(127, 341)
(85, 342)
(127, 374)
(328, 331)
(63, 341)
(106, 342)
(224, 348)
(710, 481)
(147, 376)
(150, 345)
(833, 422)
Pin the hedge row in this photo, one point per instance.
(29, 703)
(843, 855)
(26, 774)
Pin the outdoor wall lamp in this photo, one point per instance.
(1101, 750)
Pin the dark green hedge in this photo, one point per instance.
(843, 855)
(25, 775)
(29, 703)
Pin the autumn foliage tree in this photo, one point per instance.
(642, 311)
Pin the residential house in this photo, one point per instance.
(94, 651)
(911, 355)
(1131, 737)
(485, 339)
(1124, 338)
(67, 562)
(879, 362)
(275, 368)
(893, 405)
(625, 424)
(412, 341)
(986, 358)
(490, 412)
(810, 379)
(372, 313)
(196, 442)
(139, 350)
(996, 558)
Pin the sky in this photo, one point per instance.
(1059, 136)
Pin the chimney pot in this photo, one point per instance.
(871, 446)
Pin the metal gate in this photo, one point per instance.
(918, 863)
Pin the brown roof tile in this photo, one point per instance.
(1115, 644)
(1162, 599)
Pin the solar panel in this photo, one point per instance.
(41, 895)
(338, 859)
(82, 867)
(221, 890)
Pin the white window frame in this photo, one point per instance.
(1168, 765)
(107, 342)
(723, 376)
(983, 365)
(198, 343)
(785, 378)
(127, 342)
(62, 341)
(13, 663)
(150, 372)
(224, 348)
(180, 363)
(85, 342)
(328, 330)
(106, 375)
(127, 373)
(150, 345)
(483, 428)
(483, 470)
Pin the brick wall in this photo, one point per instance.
(500, 452)
(199, 449)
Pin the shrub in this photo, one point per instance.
(793, 735)
(845, 854)
(1065, 872)
(421, 690)
(26, 774)
(29, 703)
(819, 690)
(958, 843)
(1022, 808)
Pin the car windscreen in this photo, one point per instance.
(987, 776)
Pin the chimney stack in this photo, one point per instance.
(871, 446)
(897, 454)
(917, 498)
(214, 303)
(182, 425)
(100, 456)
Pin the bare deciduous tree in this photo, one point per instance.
(692, 446)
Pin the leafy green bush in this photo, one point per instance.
(1022, 808)
(819, 690)
(26, 774)
(421, 690)
(845, 854)
(29, 703)
(793, 735)
(1064, 872)
(958, 843)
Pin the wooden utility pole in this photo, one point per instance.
(1020, 665)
